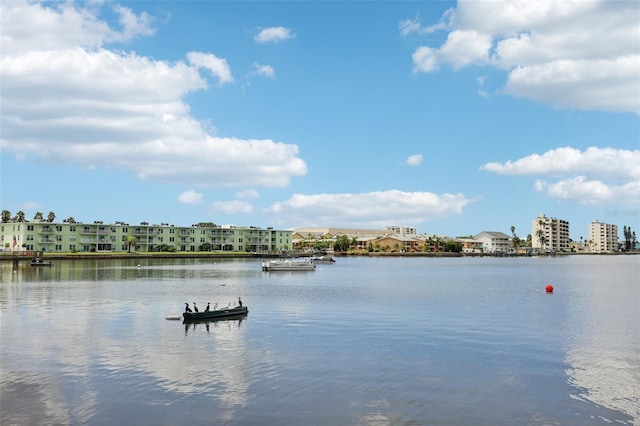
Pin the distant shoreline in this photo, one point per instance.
(24, 256)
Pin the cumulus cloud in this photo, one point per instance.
(273, 35)
(414, 160)
(594, 176)
(68, 99)
(592, 192)
(569, 54)
(65, 25)
(608, 163)
(374, 209)
(190, 197)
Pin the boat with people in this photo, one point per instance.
(322, 260)
(288, 265)
(228, 312)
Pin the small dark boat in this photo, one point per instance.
(38, 260)
(224, 313)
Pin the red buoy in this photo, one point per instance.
(549, 288)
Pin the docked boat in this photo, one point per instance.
(223, 313)
(322, 260)
(40, 263)
(38, 260)
(288, 265)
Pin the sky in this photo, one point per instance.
(450, 117)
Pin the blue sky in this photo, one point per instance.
(451, 117)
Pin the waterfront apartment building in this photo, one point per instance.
(494, 242)
(99, 237)
(603, 237)
(550, 234)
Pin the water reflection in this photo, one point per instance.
(222, 322)
(607, 378)
(603, 350)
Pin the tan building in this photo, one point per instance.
(309, 237)
(550, 234)
(603, 237)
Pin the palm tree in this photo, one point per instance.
(6, 216)
(51, 217)
(541, 238)
(19, 217)
(70, 219)
(131, 240)
(354, 241)
(38, 216)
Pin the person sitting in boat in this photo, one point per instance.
(207, 308)
(239, 302)
(195, 308)
(187, 308)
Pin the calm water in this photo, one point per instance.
(360, 342)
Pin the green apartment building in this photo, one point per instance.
(107, 238)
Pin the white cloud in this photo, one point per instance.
(607, 163)
(28, 26)
(273, 35)
(231, 207)
(570, 54)
(482, 81)
(132, 24)
(67, 104)
(463, 48)
(263, 70)
(217, 66)
(592, 192)
(190, 197)
(594, 176)
(248, 194)
(374, 209)
(425, 59)
(414, 160)
(409, 26)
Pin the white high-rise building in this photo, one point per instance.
(550, 234)
(603, 237)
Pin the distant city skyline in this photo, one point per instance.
(450, 117)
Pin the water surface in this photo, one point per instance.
(402, 341)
